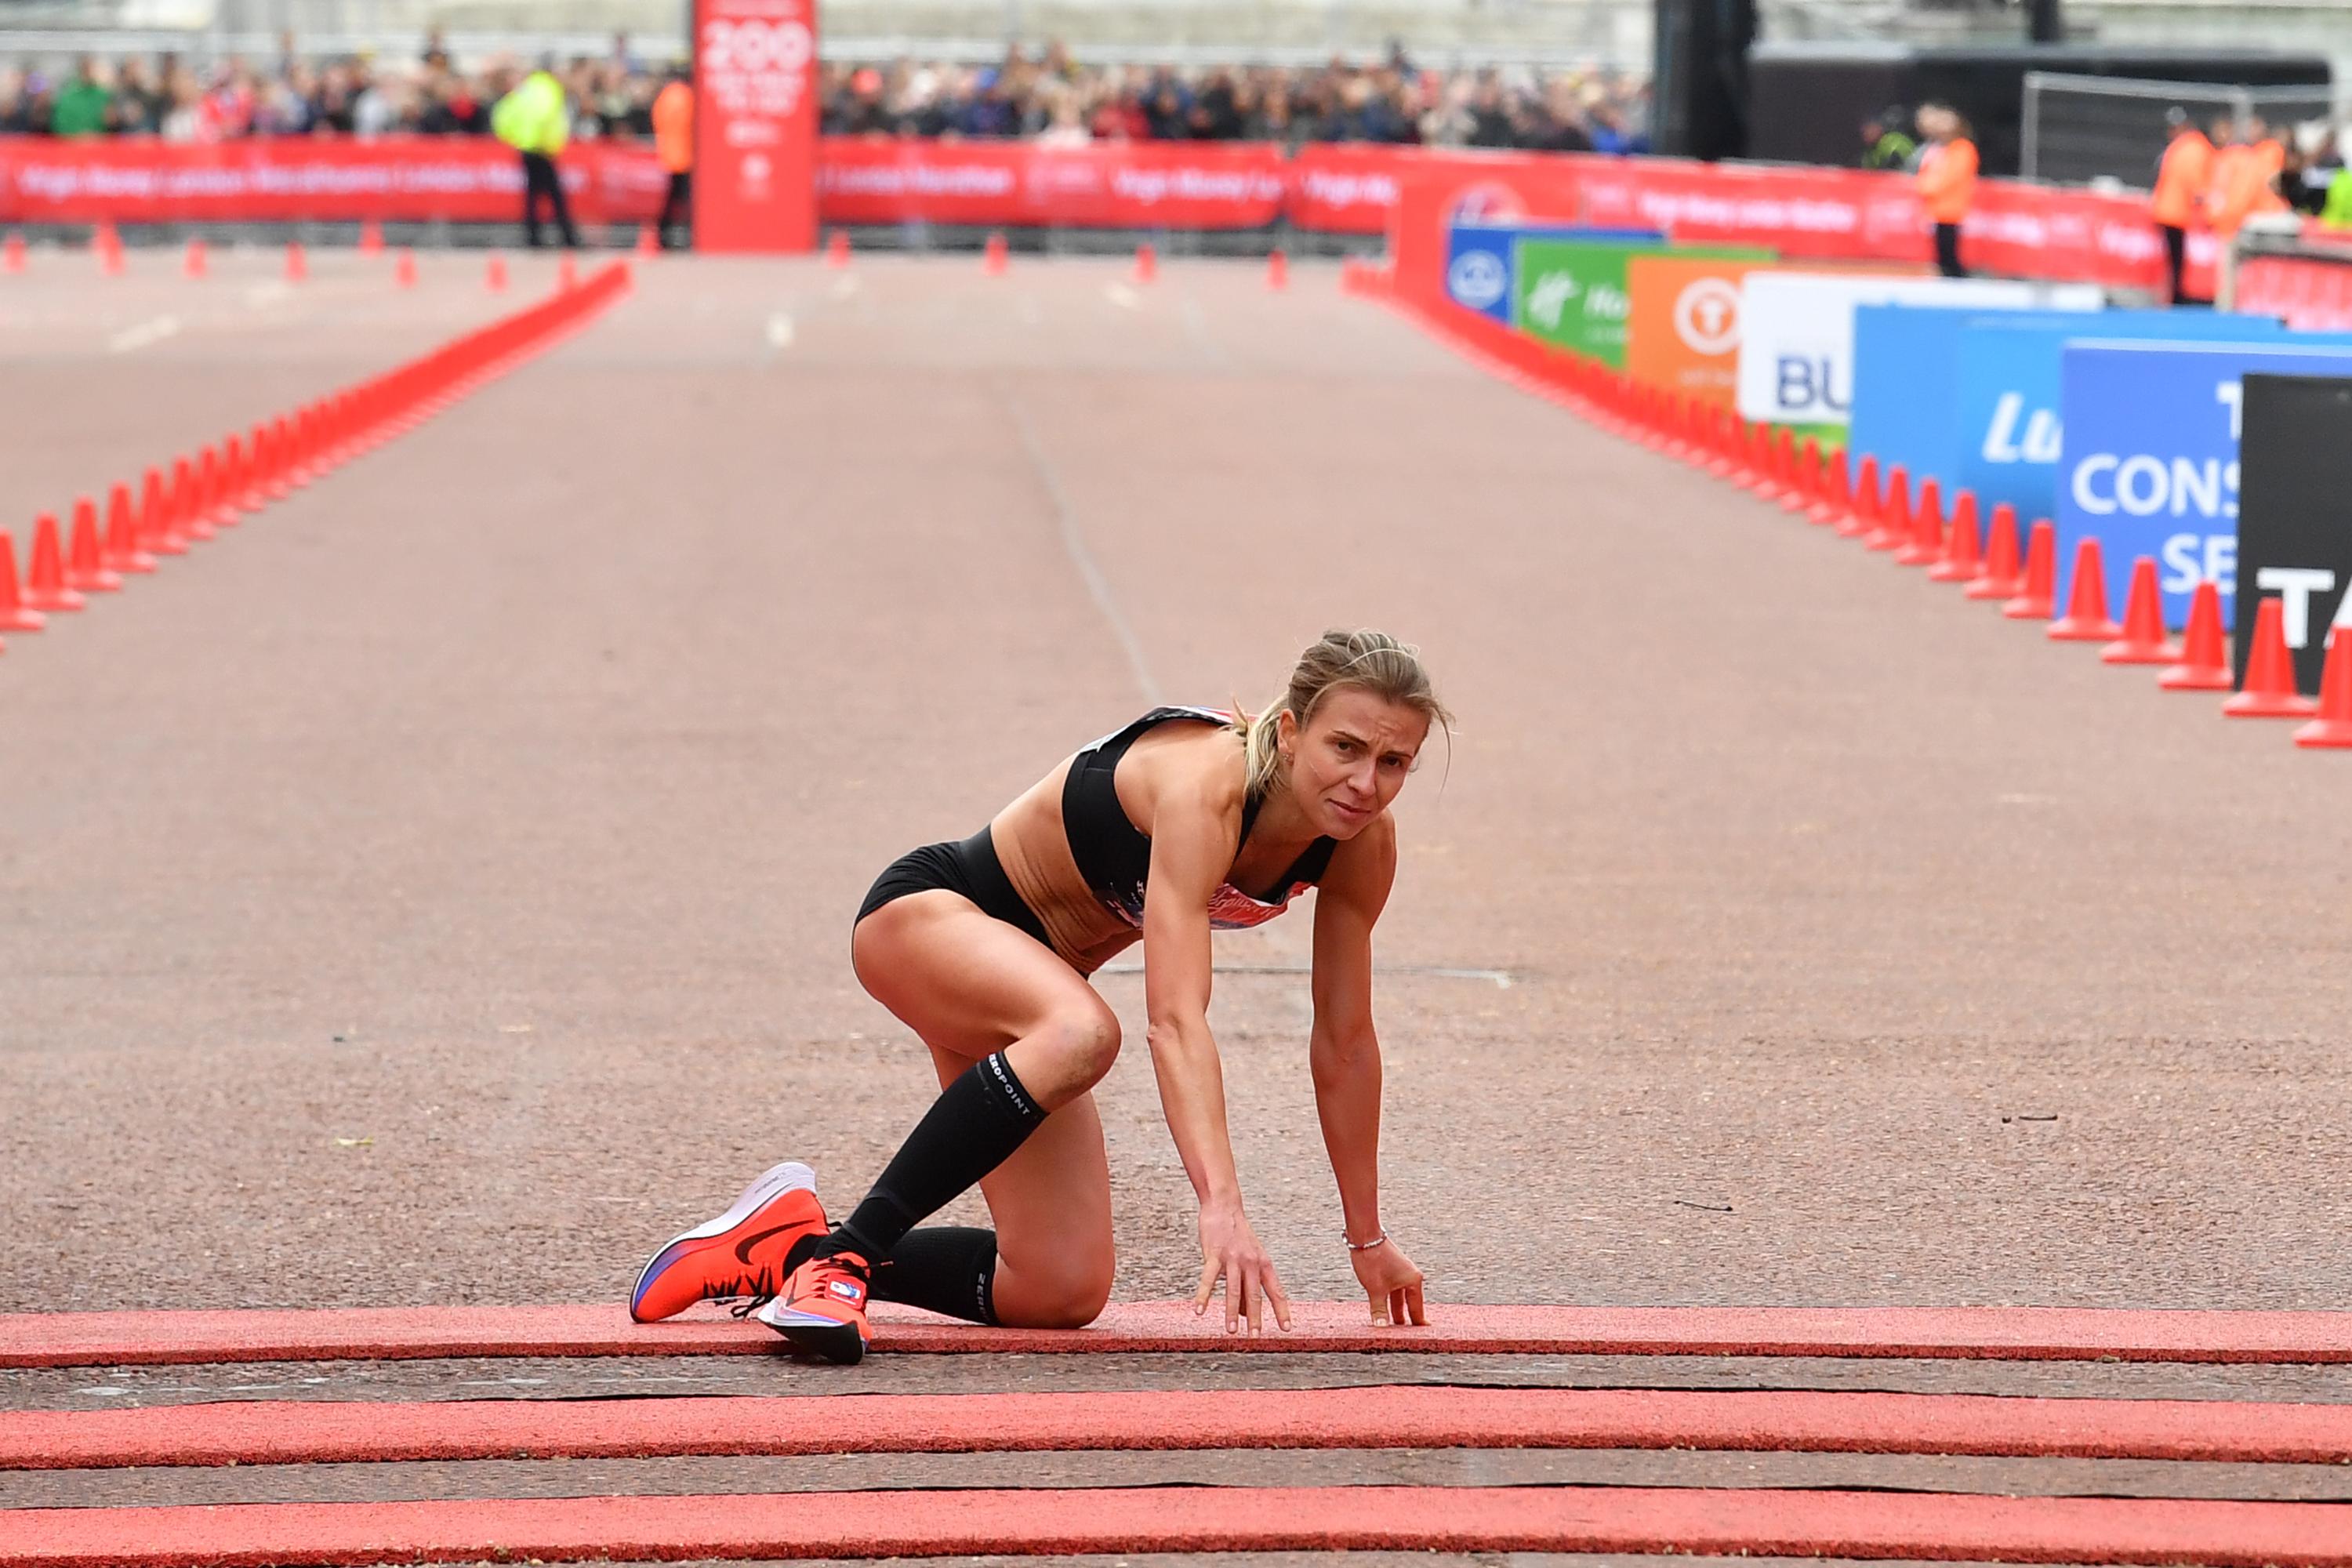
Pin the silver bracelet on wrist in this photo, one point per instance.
(1365, 1246)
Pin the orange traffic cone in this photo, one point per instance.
(494, 273)
(1959, 562)
(1862, 518)
(11, 253)
(122, 553)
(194, 264)
(836, 249)
(2204, 663)
(1894, 530)
(188, 519)
(2269, 692)
(1926, 545)
(85, 568)
(1834, 496)
(2086, 619)
(371, 238)
(1277, 270)
(297, 262)
(1805, 471)
(2333, 725)
(156, 533)
(211, 490)
(45, 579)
(2037, 597)
(15, 615)
(993, 256)
(2002, 575)
(2143, 641)
(648, 240)
(1798, 482)
(1146, 264)
(107, 246)
(404, 269)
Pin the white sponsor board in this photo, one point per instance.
(1796, 332)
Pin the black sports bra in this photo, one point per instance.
(1115, 856)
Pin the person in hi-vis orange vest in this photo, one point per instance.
(2245, 180)
(2182, 179)
(674, 144)
(1946, 181)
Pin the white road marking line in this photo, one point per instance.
(149, 332)
(1080, 557)
(780, 330)
(1121, 295)
(843, 287)
(261, 295)
(1500, 979)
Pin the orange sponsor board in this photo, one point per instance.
(1683, 325)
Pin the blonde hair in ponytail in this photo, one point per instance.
(1362, 660)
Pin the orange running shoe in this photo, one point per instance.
(739, 1255)
(823, 1308)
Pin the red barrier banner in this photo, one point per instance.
(1124, 185)
(2309, 294)
(1829, 215)
(414, 178)
(755, 141)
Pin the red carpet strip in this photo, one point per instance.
(956, 1523)
(1995, 1334)
(298, 1432)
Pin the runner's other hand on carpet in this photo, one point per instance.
(1391, 1282)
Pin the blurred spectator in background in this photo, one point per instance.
(80, 109)
(2245, 176)
(535, 121)
(673, 116)
(2182, 177)
(1885, 143)
(1946, 181)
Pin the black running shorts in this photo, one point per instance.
(969, 868)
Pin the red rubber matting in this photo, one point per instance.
(1998, 1333)
(953, 1523)
(295, 1432)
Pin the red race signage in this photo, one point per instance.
(1116, 184)
(418, 178)
(755, 125)
(763, 180)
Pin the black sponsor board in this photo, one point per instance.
(2294, 514)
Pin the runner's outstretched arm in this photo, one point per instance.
(1344, 1054)
(1192, 848)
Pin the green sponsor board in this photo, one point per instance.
(1573, 293)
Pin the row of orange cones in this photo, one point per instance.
(196, 258)
(996, 259)
(224, 481)
(1885, 514)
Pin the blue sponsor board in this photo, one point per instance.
(2151, 460)
(1482, 258)
(2010, 433)
(1929, 384)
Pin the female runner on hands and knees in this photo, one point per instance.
(1185, 822)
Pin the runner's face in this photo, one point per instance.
(1349, 761)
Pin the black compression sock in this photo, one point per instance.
(973, 1127)
(948, 1269)
(944, 1269)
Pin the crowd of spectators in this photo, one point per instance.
(1050, 97)
(1043, 95)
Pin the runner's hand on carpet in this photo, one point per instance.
(1390, 1283)
(1229, 1251)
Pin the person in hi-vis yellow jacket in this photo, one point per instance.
(535, 119)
